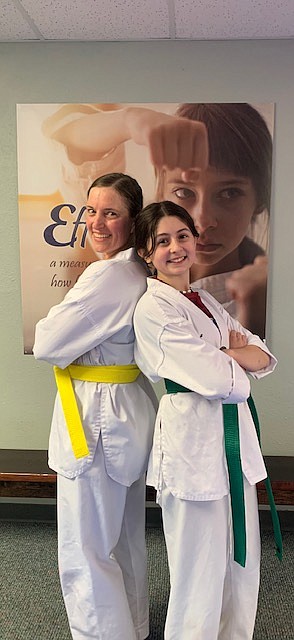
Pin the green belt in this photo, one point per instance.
(232, 449)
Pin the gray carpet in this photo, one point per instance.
(31, 602)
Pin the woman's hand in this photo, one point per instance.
(172, 142)
(247, 286)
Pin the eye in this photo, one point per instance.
(230, 193)
(182, 193)
(90, 212)
(161, 241)
(111, 214)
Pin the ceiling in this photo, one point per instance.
(98, 20)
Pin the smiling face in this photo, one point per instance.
(222, 205)
(174, 252)
(108, 221)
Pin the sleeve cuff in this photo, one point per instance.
(240, 387)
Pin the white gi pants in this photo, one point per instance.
(102, 555)
(211, 597)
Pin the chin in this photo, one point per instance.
(207, 259)
(99, 249)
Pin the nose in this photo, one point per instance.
(98, 220)
(174, 245)
(204, 216)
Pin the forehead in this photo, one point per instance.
(106, 198)
(170, 225)
(207, 178)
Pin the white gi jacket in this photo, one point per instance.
(176, 340)
(94, 325)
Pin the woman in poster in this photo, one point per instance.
(226, 188)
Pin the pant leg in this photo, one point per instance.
(242, 584)
(90, 516)
(196, 535)
(132, 557)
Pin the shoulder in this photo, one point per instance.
(212, 303)
(148, 303)
(249, 250)
(104, 280)
(160, 304)
(118, 267)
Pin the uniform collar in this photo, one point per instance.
(127, 254)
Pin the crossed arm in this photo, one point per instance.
(249, 357)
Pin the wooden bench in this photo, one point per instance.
(25, 474)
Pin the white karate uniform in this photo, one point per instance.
(101, 498)
(211, 596)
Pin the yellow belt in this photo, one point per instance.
(117, 374)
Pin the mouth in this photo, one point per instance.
(206, 247)
(178, 260)
(100, 236)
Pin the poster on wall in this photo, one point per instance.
(63, 148)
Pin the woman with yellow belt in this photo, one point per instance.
(102, 426)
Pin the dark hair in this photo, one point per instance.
(126, 186)
(147, 220)
(239, 142)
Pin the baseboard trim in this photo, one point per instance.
(24, 511)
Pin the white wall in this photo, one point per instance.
(244, 71)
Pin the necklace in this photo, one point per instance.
(187, 290)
